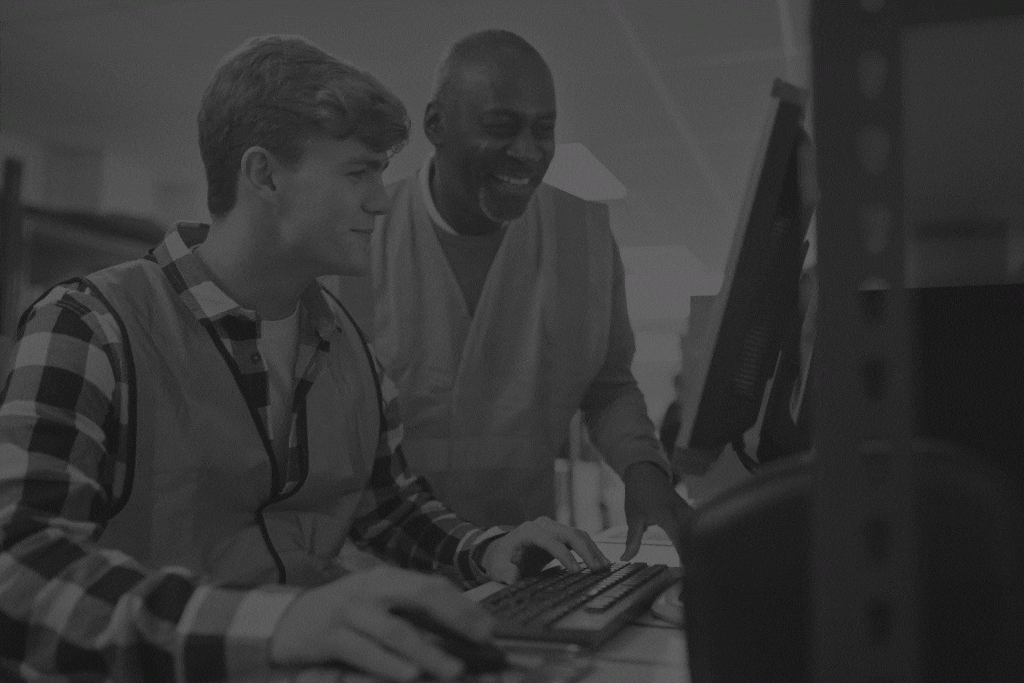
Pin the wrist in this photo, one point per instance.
(479, 553)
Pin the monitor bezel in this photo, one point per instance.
(780, 136)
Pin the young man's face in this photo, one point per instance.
(498, 138)
(329, 203)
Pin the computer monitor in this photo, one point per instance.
(758, 302)
(787, 421)
(820, 567)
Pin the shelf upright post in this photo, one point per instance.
(864, 547)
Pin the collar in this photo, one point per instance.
(192, 280)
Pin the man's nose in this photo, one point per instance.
(525, 147)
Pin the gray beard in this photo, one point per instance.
(494, 213)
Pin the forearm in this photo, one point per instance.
(613, 407)
(621, 429)
(401, 520)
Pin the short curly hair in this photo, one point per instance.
(277, 92)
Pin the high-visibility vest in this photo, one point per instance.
(486, 401)
(201, 493)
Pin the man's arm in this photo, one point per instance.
(400, 519)
(70, 607)
(616, 415)
(613, 407)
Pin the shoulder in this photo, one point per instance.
(72, 308)
(68, 336)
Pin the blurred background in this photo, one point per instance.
(660, 109)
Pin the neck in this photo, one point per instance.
(248, 271)
(453, 208)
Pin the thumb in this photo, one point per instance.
(505, 571)
(634, 535)
(499, 561)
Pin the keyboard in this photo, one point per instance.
(585, 608)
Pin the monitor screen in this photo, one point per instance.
(758, 303)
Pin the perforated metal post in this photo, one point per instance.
(865, 612)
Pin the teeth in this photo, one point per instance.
(513, 181)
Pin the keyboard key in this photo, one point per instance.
(585, 607)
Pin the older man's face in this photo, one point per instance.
(499, 137)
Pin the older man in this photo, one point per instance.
(500, 305)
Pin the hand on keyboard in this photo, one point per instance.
(515, 554)
(651, 499)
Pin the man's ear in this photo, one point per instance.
(433, 123)
(257, 172)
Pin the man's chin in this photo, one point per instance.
(503, 210)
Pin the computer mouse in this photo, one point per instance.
(478, 657)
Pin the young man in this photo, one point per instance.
(500, 305)
(186, 440)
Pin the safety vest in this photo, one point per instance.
(201, 493)
(486, 401)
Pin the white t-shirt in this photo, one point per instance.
(278, 344)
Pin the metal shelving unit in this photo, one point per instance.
(866, 602)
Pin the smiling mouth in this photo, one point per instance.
(512, 180)
(511, 183)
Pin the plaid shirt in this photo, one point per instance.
(70, 607)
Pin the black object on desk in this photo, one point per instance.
(478, 657)
(747, 588)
